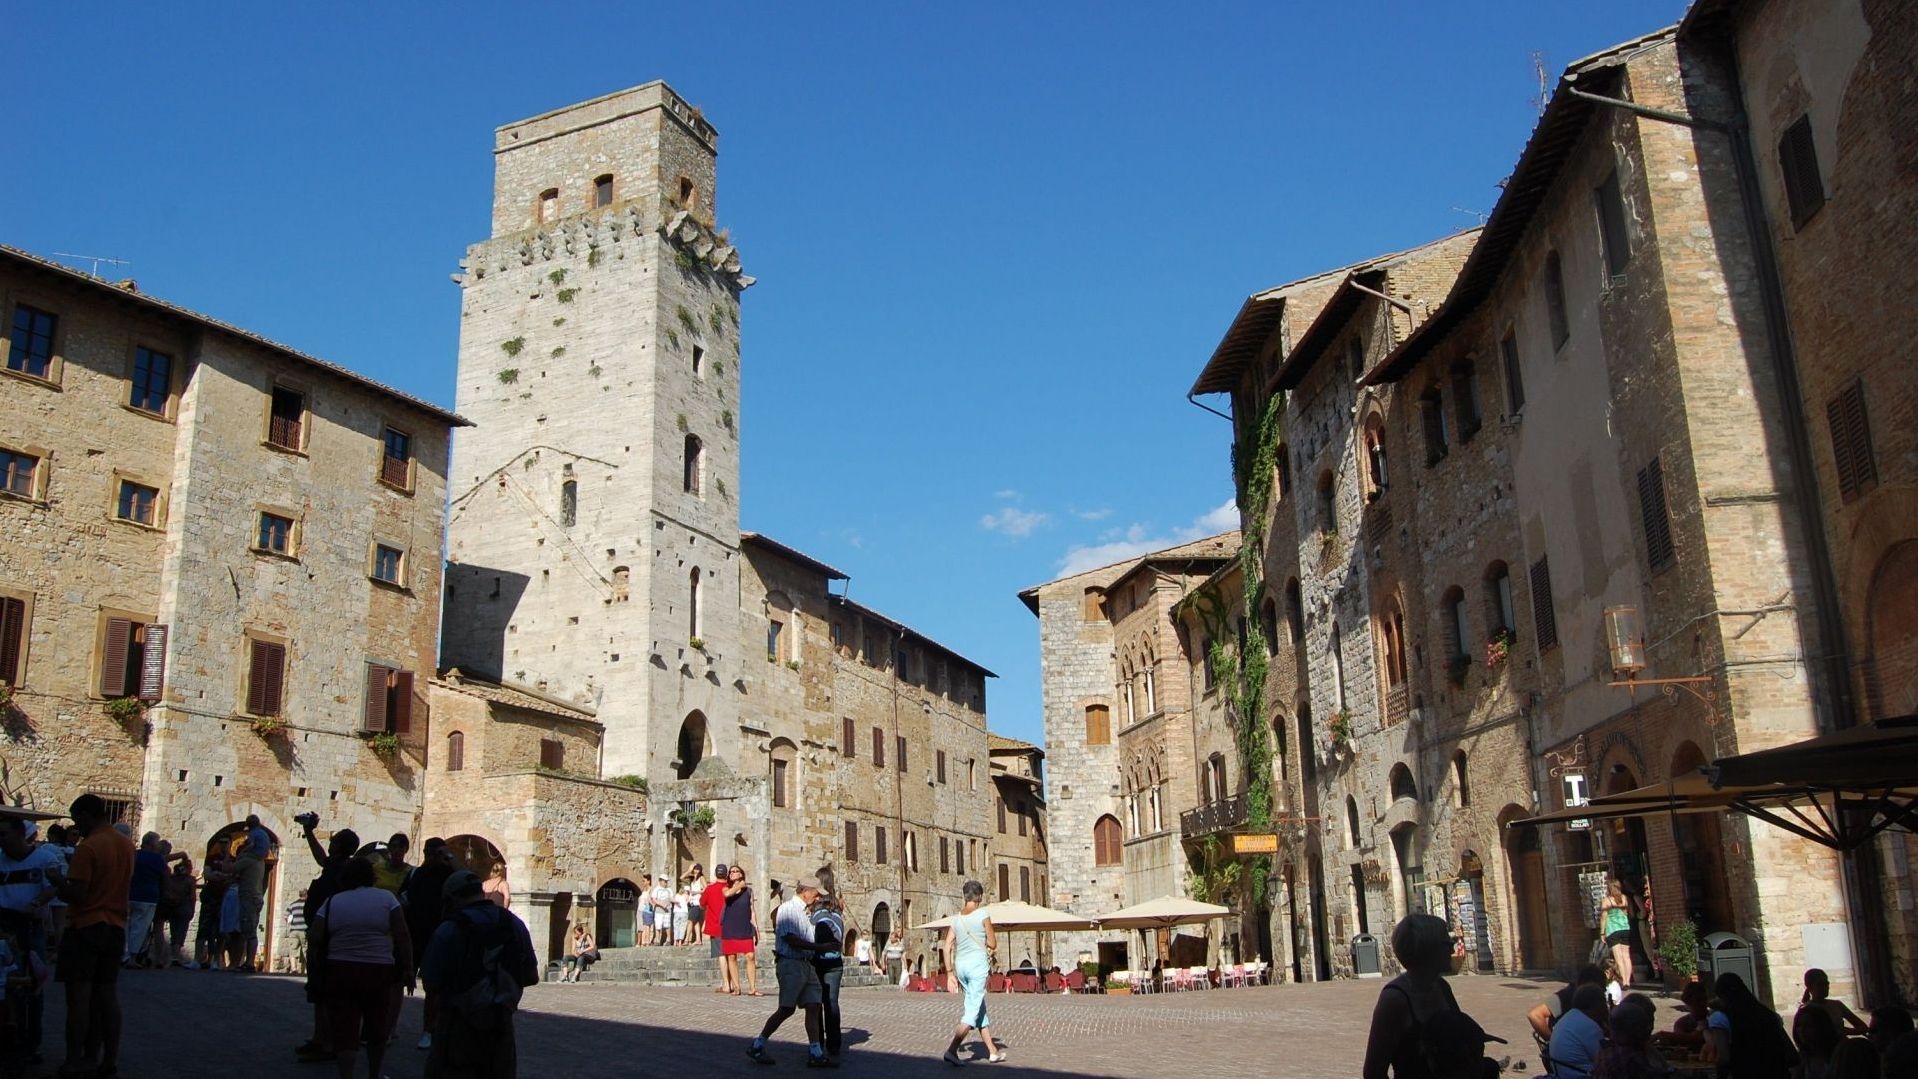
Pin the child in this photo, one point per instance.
(1614, 989)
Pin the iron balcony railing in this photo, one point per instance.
(1213, 817)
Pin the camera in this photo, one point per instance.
(308, 820)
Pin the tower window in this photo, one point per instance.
(699, 362)
(1612, 228)
(603, 191)
(548, 209)
(569, 503)
(1798, 160)
(695, 464)
(688, 194)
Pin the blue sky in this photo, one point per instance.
(994, 243)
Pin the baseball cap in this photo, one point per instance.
(459, 883)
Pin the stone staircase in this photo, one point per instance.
(691, 968)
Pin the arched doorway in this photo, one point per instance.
(230, 842)
(1525, 866)
(1409, 873)
(1891, 631)
(617, 902)
(1468, 913)
(695, 744)
(1321, 938)
(881, 935)
(1701, 855)
(1629, 850)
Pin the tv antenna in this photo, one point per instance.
(1544, 95)
(96, 260)
(1480, 214)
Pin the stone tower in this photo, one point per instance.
(593, 543)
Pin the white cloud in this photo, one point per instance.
(1013, 521)
(1099, 514)
(1134, 540)
(1006, 493)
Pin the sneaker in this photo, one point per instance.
(952, 1058)
(426, 1041)
(821, 1061)
(758, 1055)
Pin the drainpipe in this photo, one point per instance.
(1832, 673)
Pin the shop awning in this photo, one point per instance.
(1871, 757)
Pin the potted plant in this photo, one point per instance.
(1340, 727)
(384, 743)
(125, 709)
(1679, 951)
(1117, 988)
(268, 726)
(1498, 649)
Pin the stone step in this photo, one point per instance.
(689, 968)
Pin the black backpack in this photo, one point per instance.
(490, 987)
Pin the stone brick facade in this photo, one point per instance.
(157, 456)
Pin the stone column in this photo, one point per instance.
(536, 910)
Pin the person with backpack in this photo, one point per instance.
(1410, 1002)
(478, 963)
(369, 956)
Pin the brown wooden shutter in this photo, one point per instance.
(1544, 619)
(1025, 884)
(1005, 882)
(852, 841)
(939, 760)
(402, 706)
(848, 739)
(945, 854)
(13, 630)
(1851, 441)
(1798, 161)
(378, 681)
(552, 753)
(878, 748)
(1655, 515)
(899, 750)
(275, 678)
(266, 678)
(779, 784)
(879, 845)
(455, 751)
(113, 659)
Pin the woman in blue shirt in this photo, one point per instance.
(968, 948)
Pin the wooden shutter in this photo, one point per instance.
(1798, 160)
(878, 748)
(879, 845)
(402, 704)
(266, 678)
(1657, 519)
(1851, 441)
(455, 751)
(945, 854)
(1001, 804)
(939, 764)
(1005, 882)
(1514, 377)
(1544, 620)
(378, 680)
(113, 658)
(1025, 884)
(13, 638)
(779, 784)
(899, 751)
(552, 753)
(852, 841)
(848, 740)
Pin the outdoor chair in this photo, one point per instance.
(1232, 977)
(1022, 983)
(1198, 978)
(1053, 982)
(1074, 982)
(995, 983)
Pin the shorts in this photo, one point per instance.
(736, 946)
(646, 916)
(798, 982)
(1622, 936)
(91, 953)
(696, 915)
(712, 944)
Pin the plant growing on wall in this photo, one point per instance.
(268, 726)
(698, 644)
(1339, 728)
(792, 664)
(593, 370)
(686, 318)
(681, 421)
(594, 254)
(726, 418)
(636, 782)
(557, 276)
(716, 321)
(721, 486)
(719, 368)
(125, 709)
(558, 351)
(512, 345)
(385, 744)
(509, 376)
(560, 321)
(685, 259)
(566, 295)
(672, 335)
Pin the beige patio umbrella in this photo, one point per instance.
(1161, 913)
(1017, 917)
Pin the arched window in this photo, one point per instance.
(1457, 630)
(455, 751)
(1392, 643)
(603, 191)
(1498, 599)
(1278, 755)
(695, 464)
(1098, 725)
(1351, 822)
(569, 503)
(1151, 688)
(1461, 788)
(695, 743)
(1294, 610)
(1108, 843)
(692, 604)
(1375, 472)
(1328, 502)
(1269, 625)
(1465, 396)
(1402, 785)
(784, 772)
(547, 210)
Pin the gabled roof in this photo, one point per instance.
(129, 294)
(1257, 318)
(792, 554)
(1552, 142)
(1332, 318)
(1222, 545)
(529, 700)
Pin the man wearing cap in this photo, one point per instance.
(793, 951)
(469, 962)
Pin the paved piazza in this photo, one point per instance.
(183, 1023)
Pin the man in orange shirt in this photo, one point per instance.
(95, 888)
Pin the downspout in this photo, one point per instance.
(1831, 673)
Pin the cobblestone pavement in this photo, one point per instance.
(183, 1023)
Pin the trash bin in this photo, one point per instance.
(1725, 953)
(1365, 956)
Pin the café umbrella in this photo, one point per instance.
(1017, 917)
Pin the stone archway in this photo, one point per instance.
(616, 914)
(230, 842)
(1891, 633)
(695, 744)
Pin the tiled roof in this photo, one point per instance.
(793, 554)
(74, 276)
(513, 698)
(995, 740)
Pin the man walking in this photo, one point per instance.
(793, 951)
(425, 904)
(143, 897)
(477, 963)
(95, 889)
(251, 871)
(829, 932)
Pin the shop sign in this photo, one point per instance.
(1572, 786)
